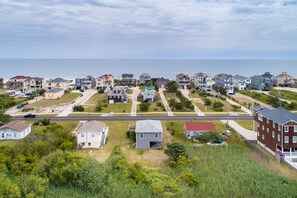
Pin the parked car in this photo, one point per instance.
(22, 105)
(227, 133)
(30, 115)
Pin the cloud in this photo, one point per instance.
(99, 28)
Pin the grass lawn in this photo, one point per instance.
(153, 105)
(287, 95)
(66, 99)
(247, 124)
(90, 105)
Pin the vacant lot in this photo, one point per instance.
(287, 95)
(7, 101)
(243, 102)
(65, 100)
(248, 124)
(170, 96)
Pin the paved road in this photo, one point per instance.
(186, 92)
(80, 101)
(14, 110)
(127, 118)
(165, 103)
(135, 93)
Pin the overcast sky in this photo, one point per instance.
(148, 29)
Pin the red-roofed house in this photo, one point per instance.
(192, 129)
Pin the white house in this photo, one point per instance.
(55, 93)
(149, 134)
(241, 82)
(92, 134)
(203, 82)
(148, 94)
(15, 130)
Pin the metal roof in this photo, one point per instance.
(149, 126)
(279, 115)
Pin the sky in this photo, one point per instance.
(148, 29)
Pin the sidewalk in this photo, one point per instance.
(165, 103)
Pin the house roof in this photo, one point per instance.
(181, 75)
(94, 126)
(283, 75)
(16, 125)
(148, 126)
(55, 90)
(200, 74)
(57, 80)
(20, 77)
(279, 115)
(161, 80)
(145, 75)
(200, 126)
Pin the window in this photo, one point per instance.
(156, 135)
(258, 133)
(260, 117)
(295, 128)
(273, 135)
(273, 124)
(93, 135)
(2, 135)
(294, 139)
(286, 139)
(89, 143)
(278, 137)
(263, 137)
(286, 129)
(279, 127)
(141, 135)
(258, 125)
(263, 127)
(267, 130)
(82, 135)
(267, 120)
(14, 134)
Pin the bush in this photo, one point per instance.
(98, 108)
(172, 87)
(131, 135)
(100, 90)
(176, 150)
(4, 119)
(207, 102)
(159, 104)
(45, 122)
(144, 106)
(236, 107)
(209, 137)
(36, 123)
(78, 108)
(217, 106)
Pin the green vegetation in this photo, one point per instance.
(78, 108)
(271, 100)
(4, 119)
(64, 100)
(156, 106)
(144, 106)
(287, 95)
(248, 124)
(7, 101)
(243, 102)
(209, 137)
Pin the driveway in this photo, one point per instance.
(13, 110)
(186, 93)
(80, 101)
(286, 89)
(239, 95)
(136, 92)
(165, 103)
(247, 134)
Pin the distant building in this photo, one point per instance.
(145, 79)
(162, 82)
(1, 83)
(192, 129)
(183, 81)
(148, 134)
(92, 134)
(225, 81)
(277, 130)
(284, 79)
(148, 94)
(16, 82)
(242, 83)
(55, 93)
(119, 94)
(128, 80)
(203, 82)
(15, 130)
(33, 84)
(105, 81)
(88, 82)
(57, 83)
(263, 82)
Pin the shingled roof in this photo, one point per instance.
(279, 115)
(148, 126)
(16, 125)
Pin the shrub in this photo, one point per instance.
(172, 87)
(209, 137)
(78, 108)
(217, 106)
(100, 90)
(236, 107)
(45, 122)
(36, 123)
(175, 150)
(98, 108)
(159, 104)
(144, 106)
(207, 102)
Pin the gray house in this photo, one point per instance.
(183, 81)
(225, 81)
(145, 79)
(118, 94)
(128, 80)
(162, 82)
(87, 82)
(148, 134)
(263, 82)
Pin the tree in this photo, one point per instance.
(78, 108)
(217, 106)
(8, 188)
(4, 119)
(207, 102)
(100, 90)
(209, 137)
(172, 87)
(33, 186)
(45, 122)
(144, 106)
(222, 91)
(176, 150)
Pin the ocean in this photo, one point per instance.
(73, 68)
